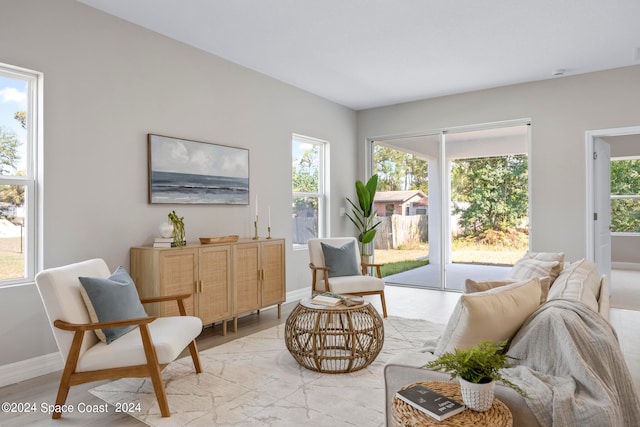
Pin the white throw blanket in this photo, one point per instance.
(572, 367)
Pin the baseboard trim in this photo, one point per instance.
(30, 368)
(625, 266)
(298, 294)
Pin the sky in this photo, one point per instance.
(13, 98)
(183, 156)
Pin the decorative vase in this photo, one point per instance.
(166, 230)
(477, 397)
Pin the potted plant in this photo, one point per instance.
(363, 216)
(478, 368)
(178, 228)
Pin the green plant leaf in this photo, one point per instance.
(368, 236)
(364, 197)
(371, 186)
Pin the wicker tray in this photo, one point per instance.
(221, 239)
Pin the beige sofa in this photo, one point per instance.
(475, 319)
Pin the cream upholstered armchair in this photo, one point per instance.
(336, 267)
(136, 347)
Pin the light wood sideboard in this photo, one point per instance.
(226, 280)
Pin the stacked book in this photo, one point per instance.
(165, 242)
(331, 299)
(430, 402)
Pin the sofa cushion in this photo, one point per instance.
(495, 315)
(579, 281)
(110, 299)
(549, 257)
(342, 261)
(471, 286)
(526, 268)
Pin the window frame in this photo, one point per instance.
(31, 181)
(624, 196)
(321, 194)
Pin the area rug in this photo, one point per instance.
(254, 381)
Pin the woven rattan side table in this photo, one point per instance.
(334, 340)
(405, 415)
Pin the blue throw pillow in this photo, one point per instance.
(341, 261)
(114, 298)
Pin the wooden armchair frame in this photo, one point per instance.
(363, 266)
(152, 369)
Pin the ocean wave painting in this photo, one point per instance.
(183, 171)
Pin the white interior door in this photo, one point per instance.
(602, 205)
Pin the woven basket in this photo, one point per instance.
(405, 415)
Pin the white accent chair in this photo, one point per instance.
(142, 352)
(359, 285)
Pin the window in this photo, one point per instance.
(19, 101)
(308, 202)
(625, 195)
(389, 209)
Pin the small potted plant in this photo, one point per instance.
(178, 228)
(363, 216)
(478, 368)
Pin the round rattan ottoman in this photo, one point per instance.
(334, 340)
(404, 415)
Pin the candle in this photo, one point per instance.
(269, 210)
(256, 207)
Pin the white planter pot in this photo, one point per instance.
(166, 230)
(477, 397)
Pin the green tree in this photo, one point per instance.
(9, 156)
(625, 181)
(491, 193)
(305, 178)
(21, 116)
(399, 170)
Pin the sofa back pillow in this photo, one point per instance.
(471, 286)
(495, 315)
(579, 281)
(549, 257)
(527, 268)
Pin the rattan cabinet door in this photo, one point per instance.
(246, 278)
(214, 297)
(178, 275)
(273, 273)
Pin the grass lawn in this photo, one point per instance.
(11, 260)
(400, 266)
(399, 260)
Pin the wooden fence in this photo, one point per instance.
(304, 228)
(393, 231)
(397, 230)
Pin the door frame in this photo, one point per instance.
(444, 243)
(590, 137)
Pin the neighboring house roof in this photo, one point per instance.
(398, 196)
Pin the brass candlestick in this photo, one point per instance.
(255, 227)
(268, 232)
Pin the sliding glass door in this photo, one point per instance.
(409, 204)
(454, 204)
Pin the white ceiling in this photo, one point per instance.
(370, 53)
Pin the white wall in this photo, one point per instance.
(561, 110)
(108, 83)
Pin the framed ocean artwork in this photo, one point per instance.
(182, 171)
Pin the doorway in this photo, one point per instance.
(438, 164)
(603, 247)
(615, 251)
